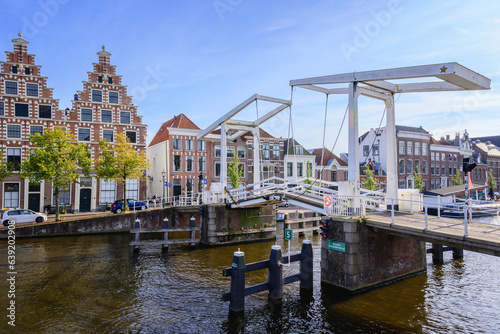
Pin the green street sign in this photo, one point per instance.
(288, 234)
(336, 246)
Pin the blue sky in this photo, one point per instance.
(202, 58)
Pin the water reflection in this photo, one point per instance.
(97, 284)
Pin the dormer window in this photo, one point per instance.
(14, 69)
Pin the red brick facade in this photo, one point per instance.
(27, 106)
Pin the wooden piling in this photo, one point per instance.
(458, 253)
(437, 254)
(237, 298)
(306, 267)
(164, 247)
(137, 236)
(275, 277)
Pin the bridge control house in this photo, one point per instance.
(101, 110)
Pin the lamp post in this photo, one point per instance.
(163, 177)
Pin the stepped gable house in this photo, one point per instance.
(27, 107)
(100, 111)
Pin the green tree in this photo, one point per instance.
(492, 183)
(417, 180)
(5, 169)
(120, 161)
(308, 173)
(369, 182)
(235, 172)
(58, 158)
(458, 179)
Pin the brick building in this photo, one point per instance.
(100, 111)
(27, 107)
(178, 158)
(329, 167)
(489, 153)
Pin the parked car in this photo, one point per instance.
(22, 216)
(117, 206)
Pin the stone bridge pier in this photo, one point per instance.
(356, 257)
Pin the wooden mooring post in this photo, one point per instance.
(275, 282)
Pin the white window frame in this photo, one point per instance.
(107, 188)
(17, 87)
(17, 126)
(91, 115)
(34, 84)
(90, 134)
(112, 135)
(122, 113)
(92, 95)
(132, 189)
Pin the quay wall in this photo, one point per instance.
(219, 225)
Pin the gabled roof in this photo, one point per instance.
(328, 157)
(289, 144)
(410, 129)
(180, 122)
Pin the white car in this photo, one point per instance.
(22, 216)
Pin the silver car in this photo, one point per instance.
(22, 216)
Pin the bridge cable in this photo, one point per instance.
(324, 134)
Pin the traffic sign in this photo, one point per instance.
(204, 181)
(288, 234)
(328, 201)
(166, 184)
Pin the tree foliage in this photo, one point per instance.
(308, 173)
(492, 183)
(235, 172)
(5, 170)
(418, 183)
(58, 158)
(120, 161)
(458, 179)
(370, 182)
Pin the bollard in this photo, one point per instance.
(437, 254)
(275, 276)
(192, 232)
(237, 298)
(164, 247)
(306, 266)
(137, 235)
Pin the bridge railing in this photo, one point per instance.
(464, 210)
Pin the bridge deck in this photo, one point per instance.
(449, 232)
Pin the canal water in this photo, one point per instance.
(95, 284)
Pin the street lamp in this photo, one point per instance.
(163, 177)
